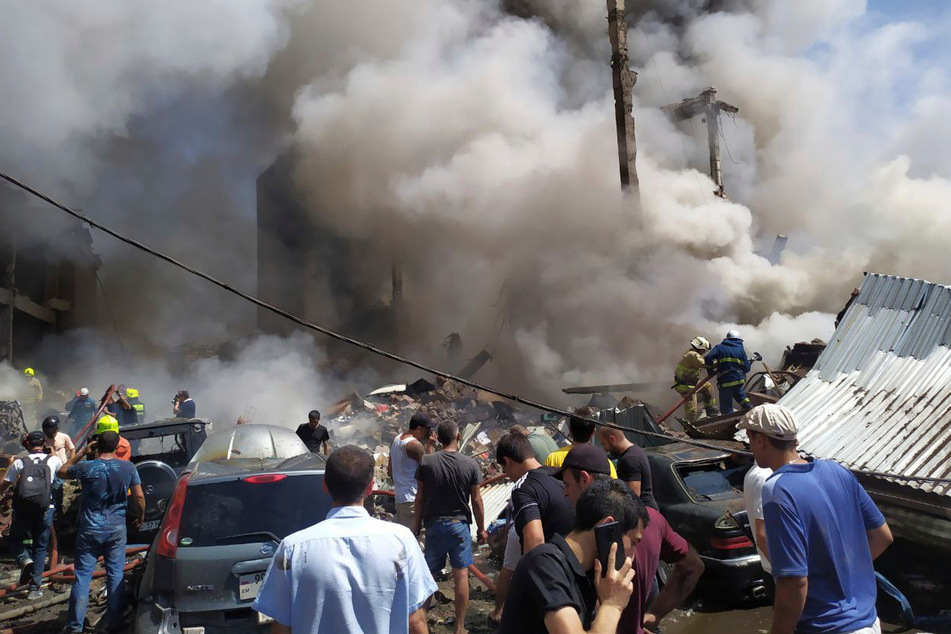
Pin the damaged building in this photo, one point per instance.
(48, 280)
(878, 401)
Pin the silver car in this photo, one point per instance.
(242, 494)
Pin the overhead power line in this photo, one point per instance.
(379, 351)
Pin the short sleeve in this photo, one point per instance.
(871, 516)
(753, 493)
(788, 550)
(274, 598)
(324, 434)
(526, 509)
(476, 474)
(549, 586)
(421, 584)
(135, 480)
(421, 470)
(13, 471)
(630, 469)
(673, 547)
(54, 463)
(78, 470)
(69, 443)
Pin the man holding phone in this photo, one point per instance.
(551, 591)
(583, 467)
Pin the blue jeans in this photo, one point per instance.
(448, 537)
(729, 394)
(110, 545)
(56, 490)
(37, 527)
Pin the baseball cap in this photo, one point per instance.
(770, 419)
(585, 458)
(107, 423)
(84, 391)
(35, 439)
(422, 419)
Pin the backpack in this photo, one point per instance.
(32, 493)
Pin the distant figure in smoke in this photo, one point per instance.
(183, 406)
(848, 304)
(314, 435)
(81, 410)
(729, 362)
(687, 375)
(122, 409)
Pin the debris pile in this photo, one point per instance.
(375, 420)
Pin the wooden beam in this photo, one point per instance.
(26, 305)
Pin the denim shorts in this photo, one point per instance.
(448, 537)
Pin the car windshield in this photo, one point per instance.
(719, 480)
(169, 449)
(256, 510)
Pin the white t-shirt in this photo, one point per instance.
(62, 444)
(753, 500)
(53, 463)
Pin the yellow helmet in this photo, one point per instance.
(131, 392)
(107, 423)
(29, 372)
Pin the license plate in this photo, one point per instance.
(249, 585)
(150, 526)
(264, 618)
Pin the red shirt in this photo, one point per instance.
(660, 543)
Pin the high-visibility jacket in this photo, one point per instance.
(728, 360)
(689, 369)
(139, 408)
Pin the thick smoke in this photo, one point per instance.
(475, 142)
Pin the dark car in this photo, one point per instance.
(244, 492)
(160, 451)
(697, 489)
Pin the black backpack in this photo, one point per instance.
(32, 493)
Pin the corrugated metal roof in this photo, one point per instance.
(879, 397)
(495, 498)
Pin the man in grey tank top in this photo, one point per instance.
(406, 453)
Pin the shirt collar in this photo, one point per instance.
(801, 467)
(347, 512)
(559, 542)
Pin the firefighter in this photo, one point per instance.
(33, 399)
(688, 375)
(729, 362)
(132, 397)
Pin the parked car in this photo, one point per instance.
(697, 490)
(160, 451)
(243, 492)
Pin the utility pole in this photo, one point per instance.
(624, 80)
(708, 106)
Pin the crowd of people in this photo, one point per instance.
(108, 485)
(815, 527)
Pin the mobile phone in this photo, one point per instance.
(605, 535)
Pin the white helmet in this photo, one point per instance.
(700, 343)
(733, 334)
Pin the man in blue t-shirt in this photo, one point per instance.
(822, 530)
(106, 483)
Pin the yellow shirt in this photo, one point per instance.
(556, 458)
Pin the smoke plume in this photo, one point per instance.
(474, 141)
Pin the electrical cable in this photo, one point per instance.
(390, 355)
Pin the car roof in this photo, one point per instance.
(227, 468)
(685, 452)
(259, 442)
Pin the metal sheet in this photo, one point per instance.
(495, 498)
(879, 397)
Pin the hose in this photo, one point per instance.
(57, 572)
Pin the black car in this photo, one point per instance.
(698, 490)
(243, 493)
(160, 451)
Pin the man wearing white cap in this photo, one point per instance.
(822, 532)
(81, 410)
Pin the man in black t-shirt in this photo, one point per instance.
(314, 434)
(538, 508)
(551, 590)
(633, 468)
(446, 482)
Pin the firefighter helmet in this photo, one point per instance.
(700, 343)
